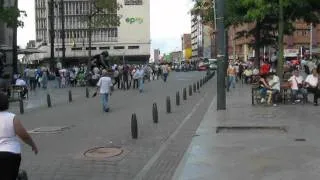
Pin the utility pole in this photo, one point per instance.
(62, 32)
(311, 42)
(90, 16)
(281, 29)
(14, 43)
(51, 31)
(221, 55)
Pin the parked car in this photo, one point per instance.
(213, 66)
(202, 66)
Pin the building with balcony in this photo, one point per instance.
(130, 40)
(196, 37)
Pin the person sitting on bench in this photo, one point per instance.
(312, 84)
(23, 84)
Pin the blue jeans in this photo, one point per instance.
(263, 92)
(232, 81)
(295, 92)
(104, 100)
(141, 84)
(165, 76)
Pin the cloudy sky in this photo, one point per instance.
(169, 20)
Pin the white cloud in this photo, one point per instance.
(169, 20)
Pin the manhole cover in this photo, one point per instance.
(103, 152)
(251, 129)
(49, 129)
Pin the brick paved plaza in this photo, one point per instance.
(154, 155)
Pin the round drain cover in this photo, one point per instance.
(103, 152)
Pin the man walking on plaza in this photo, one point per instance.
(104, 84)
(140, 75)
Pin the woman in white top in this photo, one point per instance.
(312, 84)
(10, 150)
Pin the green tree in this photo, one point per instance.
(102, 13)
(10, 16)
(264, 14)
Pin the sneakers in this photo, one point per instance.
(315, 104)
(263, 100)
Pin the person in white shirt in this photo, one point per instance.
(274, 83)
(140, 76)
(10, 148)
(296, 81)
(312, 84)
(23, 84)
(104, 84)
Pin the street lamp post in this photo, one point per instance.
(311, 37)
(221, 55)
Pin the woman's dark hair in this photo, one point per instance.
(4, 102)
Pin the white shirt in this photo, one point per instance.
(295, 81)
(104, 83)
(276, 83)
(313, 81)
(20, 82)
(8, 139)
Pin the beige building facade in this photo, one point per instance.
(131, 40)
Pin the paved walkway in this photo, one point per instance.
(251, 153)
(158, 148)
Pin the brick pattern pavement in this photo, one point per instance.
(61, 155)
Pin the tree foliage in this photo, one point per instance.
(264, 15)
(11, 15)
(105, 13)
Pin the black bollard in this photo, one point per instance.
(21, 106)
(70, 96)
(134, 126)
(168, 104)
(184, 93)
(178, 98)
(49, 101)
(155, 113)
(87, 92)
(194, 87)
(190, 90)
(198, 85)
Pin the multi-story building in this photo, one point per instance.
(300, 39)
(176, 56)
(130, 40)
(156, 56)
(196, 36)
(186, 46)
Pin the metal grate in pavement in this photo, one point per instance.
(251, 129)
(103, 152)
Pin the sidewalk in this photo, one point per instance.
(261, 149)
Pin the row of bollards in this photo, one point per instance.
(155, 116)
(49, 104)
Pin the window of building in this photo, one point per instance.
(133, 47)
(104, 48)
(92, 48)
(76, 49)
(118, 47)
(132, 2)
